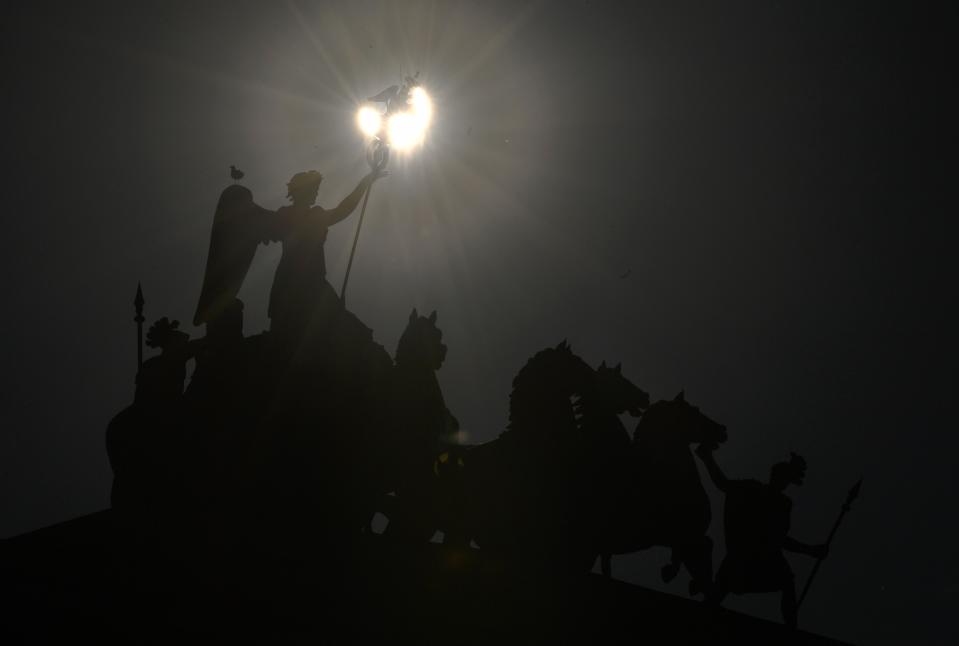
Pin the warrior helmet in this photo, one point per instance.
(792, 472)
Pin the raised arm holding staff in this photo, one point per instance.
(301, 295)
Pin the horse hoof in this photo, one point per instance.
(669, 572)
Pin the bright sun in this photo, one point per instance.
(404, 130)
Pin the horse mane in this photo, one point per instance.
(540, 399)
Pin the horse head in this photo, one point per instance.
(541, 399)
(554, 370)
(618, 394)
(678, 421)
(421, 343)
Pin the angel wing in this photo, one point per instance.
(239, 225)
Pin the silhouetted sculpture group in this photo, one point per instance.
(298, 436)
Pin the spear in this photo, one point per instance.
(853, 494)
(356, 238)
(138, 319)
(378, 155)
(402, 126)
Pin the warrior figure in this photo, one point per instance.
(757, 519)
(143, 440)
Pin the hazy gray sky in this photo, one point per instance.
(769, 174)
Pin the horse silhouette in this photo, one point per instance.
(521, 488)
(534, 494)
(501, 494)
(419, 423)
(663, 501)
(373, 425)
(309, 447)
(318, 447)
(565, 483)
(606, 449)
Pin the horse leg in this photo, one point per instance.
(717, 594)
(787, 603)
(669, 571)
(698, 559)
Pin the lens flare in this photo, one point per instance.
(422, 106)
(405, 131)
(369, 121)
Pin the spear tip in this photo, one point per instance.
(854, 492)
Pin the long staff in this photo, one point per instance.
(377, 155)
(356, 238)
(853, 494)
(138, 319)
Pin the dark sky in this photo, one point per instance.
(772, 175)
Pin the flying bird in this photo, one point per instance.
(235, 173)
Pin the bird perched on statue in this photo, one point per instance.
(235, 173)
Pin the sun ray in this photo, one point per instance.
(495, 44)
(347, 91)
